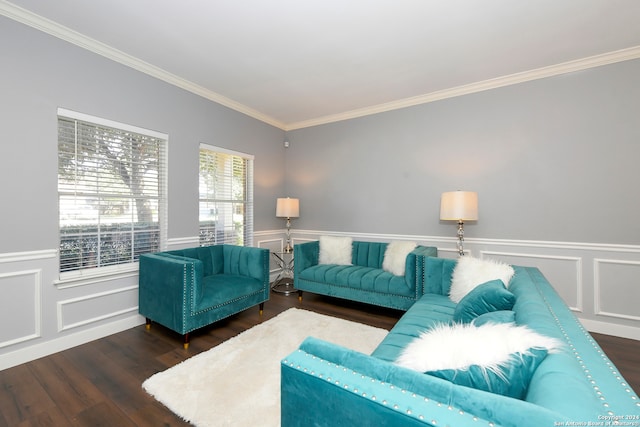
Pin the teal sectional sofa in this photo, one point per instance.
(323, 384)
(364, 280)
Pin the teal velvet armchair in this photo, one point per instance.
(187, 289)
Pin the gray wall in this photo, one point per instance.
(553, 159)
(40, 73)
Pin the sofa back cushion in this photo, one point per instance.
(212, 258)
(368, 254)
(437, 275)
(225, 259)
(244, 261)
(371, 254)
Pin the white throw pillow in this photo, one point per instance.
(395, 256)
(461, 345)
(335, 250)
(470, 272)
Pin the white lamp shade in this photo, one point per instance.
(459, 205)
(287, 208)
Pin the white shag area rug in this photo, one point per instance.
(237, 383)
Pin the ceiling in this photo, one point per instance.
(298, 63)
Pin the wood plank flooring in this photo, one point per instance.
(99, 383)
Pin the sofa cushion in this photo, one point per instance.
(485, 298)
(357, 278)
(503, 350)
(368, 254)
(470, 272)
(428, 311)
(500, 316)
(395, 256)
(221, 289)
(335, 250)
(510, 379)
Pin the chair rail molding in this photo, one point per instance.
(599, 282)
(590, 277)
(11, 257)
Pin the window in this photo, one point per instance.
(111, 192)
(226, 197)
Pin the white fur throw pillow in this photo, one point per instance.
(395, 256)
(460, 345)
(470, 272)
(335, 250)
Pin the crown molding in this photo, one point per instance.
(64, 33)
(508, 80)
(57, 30)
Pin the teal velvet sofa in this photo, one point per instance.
(323, 384)
(365, 280)
(187, 289)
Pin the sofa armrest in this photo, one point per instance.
(163, 282)
(305, 255)
(414, 267)
(425, 251)
(339, 386)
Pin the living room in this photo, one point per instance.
(552, 157)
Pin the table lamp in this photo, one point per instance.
(459, 206)
(287, 207)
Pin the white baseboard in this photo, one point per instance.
(606, 328)
(65, 342)
(584, 274)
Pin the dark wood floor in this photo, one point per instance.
(99, 383)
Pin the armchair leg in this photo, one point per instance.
(148, 324)
(261, 308)
(185, 343)
(300, 296)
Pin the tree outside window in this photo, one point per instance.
(111, 192)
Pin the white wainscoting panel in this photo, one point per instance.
(93, 308)
(599, 282)
(42, 314)
(617, 288)
(273, 244)
(20, 310)
(565, 272)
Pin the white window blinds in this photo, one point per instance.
(226, 197)
(111, 192)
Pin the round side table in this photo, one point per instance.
(283, 284)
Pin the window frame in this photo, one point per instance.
(124, 268)
(248, 202)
